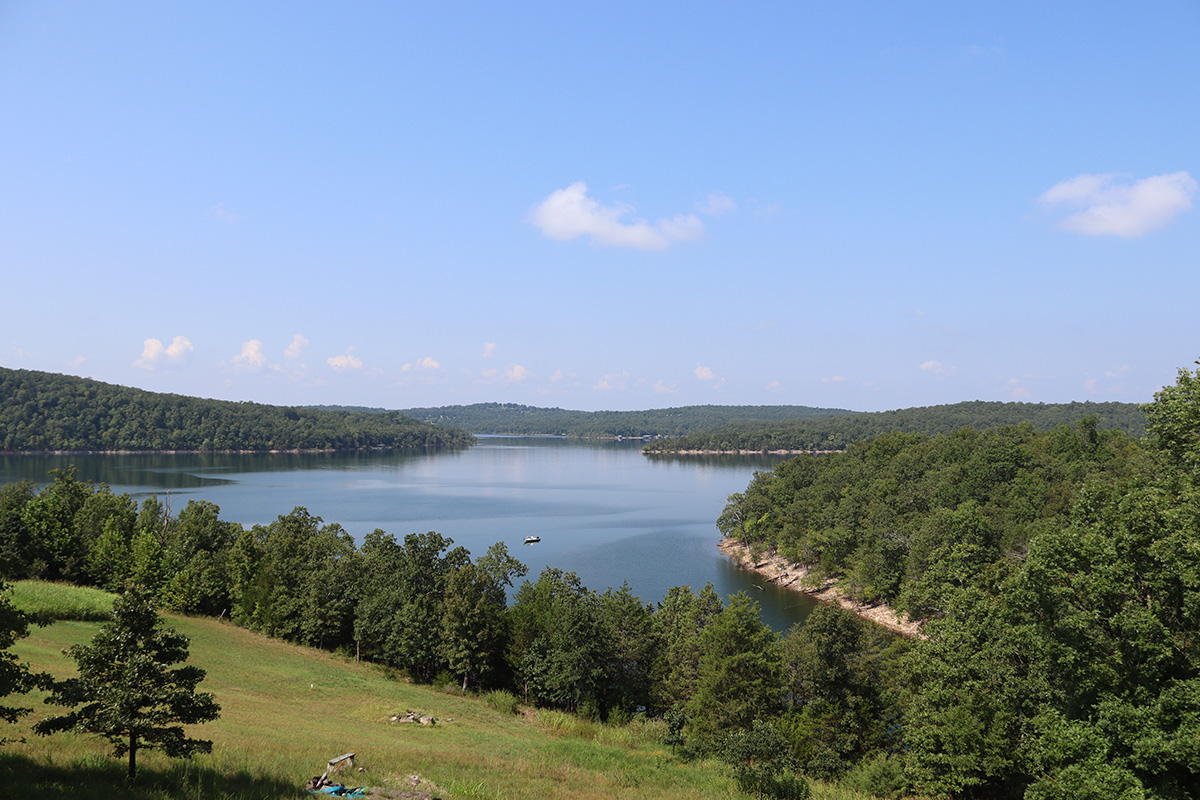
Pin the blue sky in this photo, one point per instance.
(612, 206)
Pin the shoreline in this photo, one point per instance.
(778, 570)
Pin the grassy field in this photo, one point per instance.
(286, 710)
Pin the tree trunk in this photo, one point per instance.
(132, 754)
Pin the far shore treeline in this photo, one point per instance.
(42, 411)
(829, 433)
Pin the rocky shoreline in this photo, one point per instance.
(780, 571)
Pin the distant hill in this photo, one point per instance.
(836, 432)
(511, 418)
(47, 411)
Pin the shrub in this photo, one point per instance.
(882, 776)
(762, 763)
(502, 701)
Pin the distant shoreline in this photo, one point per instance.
(781, 572)
(217, 452)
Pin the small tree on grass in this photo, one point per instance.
(126, 690)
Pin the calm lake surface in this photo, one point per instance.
(603, 510)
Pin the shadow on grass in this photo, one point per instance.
(21, 776)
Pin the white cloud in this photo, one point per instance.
(515, 372)
(835, 379)
(1111, 208)
(77, 361)
(345, 361)
(428, 363)
(772, 386)
(938, 369)
(251, 358)
(489, 349)
(716, 204)
(570, 213)
(664, 388)
(557, 376)
(175, 355)
(297, 346)
(21, 352)
(704, 373)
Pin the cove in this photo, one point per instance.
(602, 509)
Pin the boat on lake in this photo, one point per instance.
(532, 539)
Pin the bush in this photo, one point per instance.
(763, 764)
(882, 776)
(502, 701)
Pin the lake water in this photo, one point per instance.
(602, 509)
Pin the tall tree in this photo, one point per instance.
(740, 677)
(127, 690)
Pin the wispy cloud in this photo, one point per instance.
(427, 362)
(173, 356)
(703, 373)
(346, 361)
(515, 372)
(837, 378)
(936, 368)
(489, 350)
(613, 382)
(716, 204)
(661, 387)
(219, 211)
(569, 213)
(1109, 206)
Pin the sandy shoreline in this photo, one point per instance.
(778, 570)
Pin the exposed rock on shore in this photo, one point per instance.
(782, 572)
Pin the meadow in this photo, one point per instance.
(286, 710)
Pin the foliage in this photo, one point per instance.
(907, 518)
(126, 691)
(45, 411)
(739, 675)
(762, 764)
(830, 432)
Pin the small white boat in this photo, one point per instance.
(532, 539)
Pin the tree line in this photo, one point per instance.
(839, 432)
(44, 411)
(513, 418)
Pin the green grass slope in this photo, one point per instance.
(286, 710)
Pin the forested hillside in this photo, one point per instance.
(45, 411)
(838, 432)
(1059, 577)
(509, 418)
